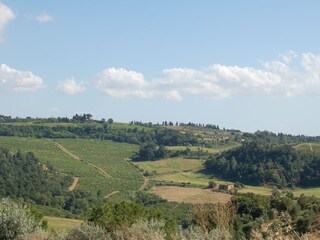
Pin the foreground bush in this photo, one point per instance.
(145, 230)
(15, 221)
(88, 231)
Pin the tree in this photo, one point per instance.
(114, 216)
(110, 121)
(212, 184)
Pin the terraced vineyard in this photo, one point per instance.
(100, 165)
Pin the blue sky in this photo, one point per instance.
(248, 65)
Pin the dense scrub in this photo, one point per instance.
(247, 216)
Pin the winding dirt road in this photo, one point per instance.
(74, 184)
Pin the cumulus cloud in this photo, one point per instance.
(119, 82)
(6, 15)
(284, 77)
(71, 87)
(19, 81)
(44, 18)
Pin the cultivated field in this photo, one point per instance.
(181, 170)
(191, 195)
(100, 165)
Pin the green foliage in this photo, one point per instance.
(266, 164)
(88, 231)
(15, 221)
(281, 212)
(23, 176)
(266, 137)
(146, 199)
(115, 216)
(151, 151)
(81, 127)
(212, 184)
(109, 156)
(251, 204)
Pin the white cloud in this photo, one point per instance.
(6, 15)
(119, 82)
(172, 95)
(54, 110)
(19, 81)
(311, 64)
(70, 86)
(282, 78)
(44, 18)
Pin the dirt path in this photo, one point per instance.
(66, 150)
(145, 180)
(74, 156)
(111, 194)
(310, 146)
(74, 184)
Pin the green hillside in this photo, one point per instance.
(100, 165)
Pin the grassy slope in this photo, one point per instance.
(59, 224)
(307, 147)
(105, 154)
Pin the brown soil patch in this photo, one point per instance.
(74, 184)
(191, 195)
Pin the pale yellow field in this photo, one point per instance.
(256, 190)
(59, 224)
(191, 195)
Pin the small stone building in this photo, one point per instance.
(226, 187)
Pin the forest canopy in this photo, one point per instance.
(255, 163)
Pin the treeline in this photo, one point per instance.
(78, 118)
(256, 163)
(266, 137)
(170, 123)
(105, 131)
(23, 176)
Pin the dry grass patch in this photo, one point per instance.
(57, 223)
(191, 195)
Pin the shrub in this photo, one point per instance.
(88, 231)
(15, 221)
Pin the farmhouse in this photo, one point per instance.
(226, 187)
